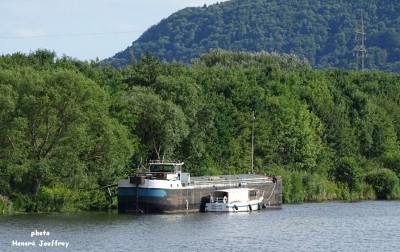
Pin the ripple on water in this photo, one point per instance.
(333, 226)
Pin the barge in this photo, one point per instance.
(165, 188)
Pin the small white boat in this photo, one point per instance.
(235, 200)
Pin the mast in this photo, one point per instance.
(252, 143)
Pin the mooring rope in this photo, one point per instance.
(272, 192)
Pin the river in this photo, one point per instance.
(332, 226)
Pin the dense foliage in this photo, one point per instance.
(323, 32)
(68, 127)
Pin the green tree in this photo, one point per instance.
(145, 72)
(376, 132)
(319, 92)
(295, 134)
(59, 129)
(159, 125)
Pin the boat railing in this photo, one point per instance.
(163, 161)
(229, 182)
(149, 173)
(152, 175)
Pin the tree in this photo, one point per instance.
(145, 72)
(376, 132)
(338, 131)
(59, 129)
(295, 134)
(160, 125)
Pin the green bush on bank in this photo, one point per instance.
(313, 187)
(61, 199)
(385, 183)
(349, 172)
(318, 188)
(294, 191)
(301, 186)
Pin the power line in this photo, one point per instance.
(68, 35)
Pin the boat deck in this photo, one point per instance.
(230, 180)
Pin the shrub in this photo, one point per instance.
(98, 201)
(385, 183)
(55, 199)
(343, 192)
(318, 188)
(60, 199)
(286, 176)
(22, 202)
(297, 192)
(349, 172)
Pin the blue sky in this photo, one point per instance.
(82, 29)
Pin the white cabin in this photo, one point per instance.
(235, 200)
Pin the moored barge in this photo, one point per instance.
(167, 189)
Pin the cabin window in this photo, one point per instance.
(162, 168)
(252, 193)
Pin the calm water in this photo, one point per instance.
(364, 226)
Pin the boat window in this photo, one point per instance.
(162, 168)
(252, 193)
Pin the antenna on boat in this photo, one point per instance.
(252, 143)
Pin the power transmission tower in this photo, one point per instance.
(360, 51)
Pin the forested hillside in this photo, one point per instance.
(68, 127)
(323, 32)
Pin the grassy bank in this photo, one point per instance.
(382, 184)
(56, 199)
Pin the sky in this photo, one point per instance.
(81, 29)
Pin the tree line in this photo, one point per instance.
(323, 32)
(68, 127)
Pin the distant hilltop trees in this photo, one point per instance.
(322, 32)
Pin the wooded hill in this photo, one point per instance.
(68, 127)
(323, 32)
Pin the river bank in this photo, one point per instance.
(73, 201)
